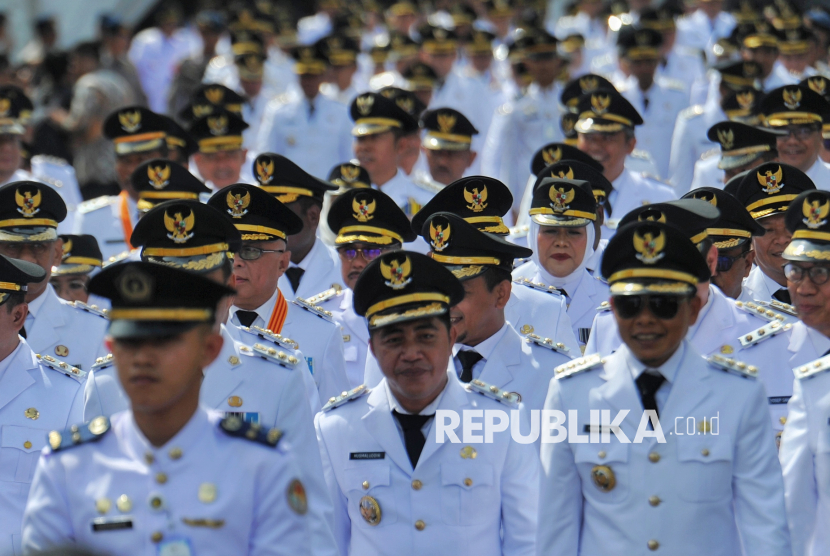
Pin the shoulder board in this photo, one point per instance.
(604, 307)
(79, 434)
(519, 231)
(117, 258)
(692, 112)
(673, 84)
(353, 394)
(314, 309)
(710, 153)
(61, 367)
(266, 334)
(50, 180)
(102, 362)
(760, 334)
(80, 305)
(813, 368)
(612, 223)
(218, 61)
(732, 366)
(49, 159)
(578, 366)
(519, 262)
(94, 204)
(641, 154)
(757, 309)
(427, 184)
(547, 343)
(505, 109)
(537, 286)
(652, 177)
(281, 358)
(333, 291)
(494, 392)
(234, 426)
(776, 305)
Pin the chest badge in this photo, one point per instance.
(468, 452)
(370, 510)
(603, 477)
(32, 414)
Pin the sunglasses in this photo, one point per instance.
(663, 307)
(818, 274)
(725, 262)
(367, 254)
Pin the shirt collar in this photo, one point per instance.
(667, 369)
(264, 310)
(304, 264)
(820, 342)
(485, 348)
(37, 303)
(771, 284)
(428, 410)
(195, 429)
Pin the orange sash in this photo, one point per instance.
(126, 221)
(279, 314)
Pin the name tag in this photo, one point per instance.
(111, 524)
(778, 400)
(597, 428)
(367, 455)
(248, 417)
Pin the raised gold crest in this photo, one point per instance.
(397, 273)
(817, 84)
(5, 106)
(202, 110)
(468, 452)
(649, 248)
(588, 84)
(238, 204)
(130, 120)
(370, 510)
(214, 95)
(792, 98)
(135, 285)
(364, 209)
(600, 104)
(726, 137)
(265, 170)
(563, 174)
(364, 104)
(440, 34)
(446, 122)
(349, 173)
(642, 39)
(439, 236)
(28, 202)
(179, 227)
(159, 176)
(815, 215)
(561, 198)
(567, 125)
(551, 156)
(745, 99)
(603, 477)
(477, 202)
(218, 125)
(771, 181)
(406, 104)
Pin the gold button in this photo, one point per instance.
(416, 484)
(156, 537)
(468, 482)
(420, 525)
(653, 545)
(233, 360)
(601, 454)
(704, 452)
(654, 457)
(365, 485)
(103, 505)
(782, 420)
(161, 478)
(27, 444)
(148, 457)
(654, 500)
(175, 453)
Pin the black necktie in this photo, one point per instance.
(23, 332)
(310, 109)
(246, 318)
(412, 435)
(468, 359)
(783, 295)
(648, 384)
(645, 102)
(294, 274)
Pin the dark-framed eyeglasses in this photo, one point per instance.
(663, 307)
(251, 253)
(818, 274)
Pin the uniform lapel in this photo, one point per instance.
(504, 360)
(582, 301)
(454, 399)
(619, 390)
(380, 423)
(17, 378)
(49, 320)
(220, 378)
(715, 329)
(690, 387)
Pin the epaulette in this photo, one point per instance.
(219, 61)
(604, 307)
(652, 177)
(381, 80)
(505, 109)
(50, 180)
(49, 159)
(760, 334)
(333, 291)
(494, 392)
(61, 367)
(427, 184)
(94, 204)
(612, 223)
(547, 343)
(266, 334)
(520, 231)
(732, 366)
(692, 112)
(281, 358)
(578, 366)
(235, 426)
(710, 153)
(80, 305)
(760, 311)
(79, 434)
(102, 362)
(641, 154)
(776, 305)
(353, 394)
(537, 286)
(117, 258)
(314, 309)
(813, 368)
(673, 84)
(519, 262)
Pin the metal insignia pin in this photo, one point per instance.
(124, 504)
(370, 510)
(207, 493)
(468, 452)
(603, 477)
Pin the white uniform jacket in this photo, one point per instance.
(322, 271)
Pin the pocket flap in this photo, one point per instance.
(467, 476)
(704, 448)
(25, 439)
(374, 475)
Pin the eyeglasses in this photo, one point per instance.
(367, 254)
(249, 253)
(818, 274)
(663, 307)
(799, 132)
(725, 262)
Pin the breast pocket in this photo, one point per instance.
(604, 471)
(370, 496)
(19, 451)
(467, 489)
(705, 471)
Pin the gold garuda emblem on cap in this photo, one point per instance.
(397, 273)
(159, 176)
(792, 98)
(406, 104)
(726, 137)
(600, 104)
(364, 104)
(588, 84)
(771, 181)
(567, 125)
(218, 125)
(477, 202)
(349, 173)
(815, 215)
(750, 70)
(130, 120)
(563, 174)
(28, 202)
(561, 197)
(649, 248)
(440, 34)
(364, 209)
(708, 197)
(5, 106)
(179, 227)
(335, 43)
(265, 170)
(642, 39)
(817, 84)
(745, 99)
(446, 122)
(439, 236)
(67, 249)
(134, 285)
(551, 155)
(214, 95)
(651, 216)
(202, 110)
(238, 204)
